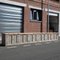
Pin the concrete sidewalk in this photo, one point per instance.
(44, 51)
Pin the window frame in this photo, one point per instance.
(38, 12)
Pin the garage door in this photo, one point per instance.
(11, 18)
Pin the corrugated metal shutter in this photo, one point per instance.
(10, 18)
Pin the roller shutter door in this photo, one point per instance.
(11, 18)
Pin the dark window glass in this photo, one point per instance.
(36, 14)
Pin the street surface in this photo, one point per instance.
(39, 51)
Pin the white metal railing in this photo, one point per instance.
(23, 38)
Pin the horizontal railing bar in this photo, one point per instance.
(33, 33)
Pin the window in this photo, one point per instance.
(53, 22)
(36, 14)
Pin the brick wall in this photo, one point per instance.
(35, 26)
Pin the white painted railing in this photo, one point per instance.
(24, 38)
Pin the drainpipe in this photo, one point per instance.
(48, 17)
(42, 12)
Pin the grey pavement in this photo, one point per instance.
(40, 51)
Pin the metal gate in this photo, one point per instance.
(11, 18)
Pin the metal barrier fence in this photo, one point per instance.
(24, 38)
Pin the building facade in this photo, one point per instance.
(29, 16)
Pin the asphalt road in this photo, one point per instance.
(41, 51)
